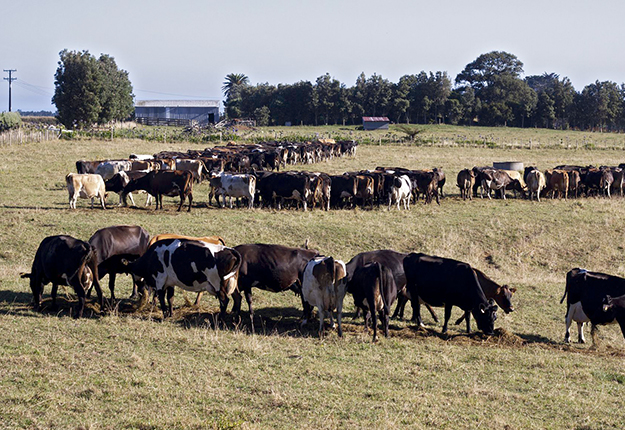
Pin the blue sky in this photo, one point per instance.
(184, 49)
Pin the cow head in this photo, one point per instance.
(485, 316)
(228, 262)
(503, 297)
(607, 303)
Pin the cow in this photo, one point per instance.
(115, 244)
(194, 166)
(365, 189)
(599, 179)
(324, 287)
(616, 303)
(211, 240)
(85, 186)
(465, 181)
(426, 183)
(392, 260)
(344, 188)
(481, 173)
(119, 181)
(502, 294)
(373, 288)
(164, 182)
(574, 182)
(239, 185)
(515, 175)
(273, 268)
(83, 166)
(273, 188)
(64, 260)
(585, 293)
(400, 192)
(446, 282)
(190, 265)
(536, 182)
(499, 180)
(558, 180)
(440, 180)
(107, 169)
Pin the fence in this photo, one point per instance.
(20, 136)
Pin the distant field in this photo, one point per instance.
(132, 370)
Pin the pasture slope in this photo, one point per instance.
(132, 370)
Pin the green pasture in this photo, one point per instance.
(126, 369)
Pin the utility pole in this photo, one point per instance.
(10, 79)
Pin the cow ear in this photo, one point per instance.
(482, 308)
(512, 290)
(498, 290)
(125, 262)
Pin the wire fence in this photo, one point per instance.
(20, 137)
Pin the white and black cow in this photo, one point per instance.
(233, 185)
(585, 293)
(324, 287)
(446, 282)
(107, 169)
(191, 265)
(64, 260)
(119, 181)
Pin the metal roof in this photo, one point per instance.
(375, 119)
(177, 103)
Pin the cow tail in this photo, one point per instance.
(26, 275)
(566, 287)
(387, 310)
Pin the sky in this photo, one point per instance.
(184, 49)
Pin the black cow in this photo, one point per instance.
(115, 244)
(446, 282)
(589, 290)
(393, 260)
(119, 181)
(373, 287)
(64, 260)
(344, 189)
(273, 268)
(273, 188)
(191, 265)
(164, 182)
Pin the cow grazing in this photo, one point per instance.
(465, 181)
(190, 265)
(115, 244)
(394, 261)
(64, 260)
(119, 181)
(343, 190)
(194, 166)
(373, 288)
(558, 181)
(237, 186)
(85, 186)
(210, 240)
(324, 287)
(164, 182)
(499, 180)
(273, 268)
(502, 294)
(536, 182)
(585, 294)
(446, 282)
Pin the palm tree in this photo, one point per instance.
(233, 80)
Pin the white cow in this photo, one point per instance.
(193, 166)
(324, 285)
(239, 185)
(536, 182)
(108, 169)
(85, 186)
(400, 192)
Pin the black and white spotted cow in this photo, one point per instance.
(191, 265)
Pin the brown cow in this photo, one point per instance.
(501, 293)
(466, 180)
(558, 180)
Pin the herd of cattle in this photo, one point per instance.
(375, 279)
(251, 175)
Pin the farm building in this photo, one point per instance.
(176, 112)
(375, 123)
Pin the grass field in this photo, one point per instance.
(127, 369)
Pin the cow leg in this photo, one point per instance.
(112, 276)
(459, 320)
(447, 317)
(170, 300)
(401, 305)
(567, 322)
(223, 304)
(199, 297)
(321, 318)
(384, 318)
(55, 288)
(593, 333)
(190, 201)
(248, 298)
(580, 332)
(161, 299)
(36, 287)
(467, 317)
(306, 306)
(432, 313)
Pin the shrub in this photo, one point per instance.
(9, 120)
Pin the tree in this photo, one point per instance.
(262, 116)
(600, 105)
(559, 92)
(232, 87)
(483, 71)
(89, 90)
(78, 85)
(116, 98)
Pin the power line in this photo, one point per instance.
(10, 79)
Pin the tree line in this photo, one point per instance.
(489, 91)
